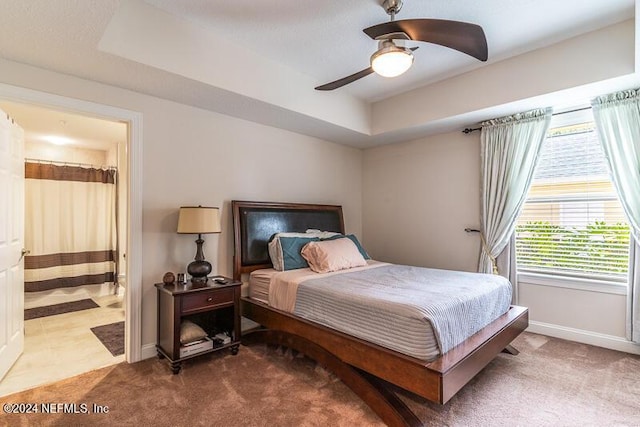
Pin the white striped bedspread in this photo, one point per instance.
(402, 307)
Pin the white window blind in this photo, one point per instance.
(572, 223)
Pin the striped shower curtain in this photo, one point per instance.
(70, 226)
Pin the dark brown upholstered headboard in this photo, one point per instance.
(255, 222)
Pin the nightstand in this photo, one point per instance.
(215, 307)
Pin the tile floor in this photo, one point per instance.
(63, 345)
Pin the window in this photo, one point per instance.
(572, 223)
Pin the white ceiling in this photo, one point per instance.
(322, 40)
(40, 124)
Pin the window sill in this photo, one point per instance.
(573, 283)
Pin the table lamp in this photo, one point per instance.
(199, 220)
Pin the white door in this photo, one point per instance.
(11, 242)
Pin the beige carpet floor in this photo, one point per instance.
(551, 383)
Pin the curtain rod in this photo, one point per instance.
(57, 162)
(469, 130)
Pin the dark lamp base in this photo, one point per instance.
(199, 270)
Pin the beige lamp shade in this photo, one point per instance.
(199, 220)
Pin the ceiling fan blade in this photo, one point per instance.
(346, 80)
(461, 36)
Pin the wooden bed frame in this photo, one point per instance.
(362, 366)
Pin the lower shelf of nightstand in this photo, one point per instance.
(176, 364)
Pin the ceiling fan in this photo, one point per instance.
(392, 58)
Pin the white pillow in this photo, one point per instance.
(321, 234)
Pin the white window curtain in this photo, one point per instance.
(617, 117)
(70, 226)
(509, 153)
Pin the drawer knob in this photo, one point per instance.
(209, 299)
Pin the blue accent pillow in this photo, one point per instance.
(291, 248)
(354, 239)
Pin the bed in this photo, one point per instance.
(362, 365)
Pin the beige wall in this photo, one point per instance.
(123, 196)
(418, 197)
(56, 153)
(192, 156)
(597, 312)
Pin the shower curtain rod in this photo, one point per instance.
(469, 130)
(57, 162)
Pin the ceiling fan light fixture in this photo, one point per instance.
(391, 60)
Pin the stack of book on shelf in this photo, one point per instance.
(196, 347)
(221, 338)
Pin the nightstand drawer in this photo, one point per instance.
(204, 300)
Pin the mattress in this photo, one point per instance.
(259, 281)
(416, 311)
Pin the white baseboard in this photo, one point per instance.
(148, 351)
(585, 337)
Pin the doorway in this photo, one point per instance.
(74, 310)
(133, 296)
(132, 159)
